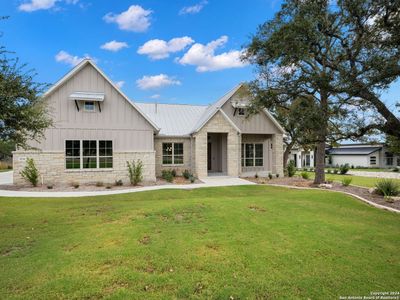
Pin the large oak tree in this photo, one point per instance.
(341, 55)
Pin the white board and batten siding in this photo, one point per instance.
(256, 124)
(118, 120)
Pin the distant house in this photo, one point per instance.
(302, 158)
(362, 155)
(97, 129)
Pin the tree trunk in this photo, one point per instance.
(320, 163)
(322, 133)
(286, 154)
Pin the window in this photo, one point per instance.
(241, 111)
(172, 153)
(372, 160)
(105, 154)
(258, 156)
(242, 155)
(73, 154)
(89, 106)
(252, 155)
(389, 158)
(88, 154)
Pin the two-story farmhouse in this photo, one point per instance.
(97, 129)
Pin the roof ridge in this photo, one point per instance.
(183, 104)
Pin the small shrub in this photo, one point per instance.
(335, 171)
(75, 184)
(119, 182)
(186, 174)
(305, 169)
(50, 186)
(305, 175)
(167, 175)
(352, 166)
(135, 171)
(396, 169)
(269, 175)
(30, 172)
(291, 169)
(99, 183)
(277, 175)
(256, 176)
(192, 179)
(108, 186)
(329, 171)
(387, 187)
(9, 167)
(173, 172)
(346, 181)
(344, 169)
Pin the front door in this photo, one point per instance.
(209, 156)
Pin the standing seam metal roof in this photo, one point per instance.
(173, 119)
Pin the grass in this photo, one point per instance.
(5, 170)
(357, 180)
(248, 242)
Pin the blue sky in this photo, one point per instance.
(165, 51)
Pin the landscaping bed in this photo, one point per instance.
(359, 191)
(69, 187)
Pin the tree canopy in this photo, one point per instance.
(23, 114)
(342, 55)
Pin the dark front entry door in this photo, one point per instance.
(208, 156)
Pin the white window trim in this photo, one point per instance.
(81, 156)
(89, 111)
(173, 164)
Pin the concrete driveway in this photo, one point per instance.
(6, 177)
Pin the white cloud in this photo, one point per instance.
(155, 96)
(204, 58)
(65, 57)
(120, 83)
(114, 46)
(37, 5)
(193, 9)
(33, 5)
(156, 81)
(159, 49)
(134, 19)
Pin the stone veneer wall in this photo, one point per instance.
(51, 166)
(217, 124)
(277, 154)
(187, 164)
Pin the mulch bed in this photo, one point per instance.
(300, 182)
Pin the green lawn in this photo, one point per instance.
(357, 180)
(248, 242)
(5, 170)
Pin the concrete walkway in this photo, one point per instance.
(6, 177)
(392, 175)
(207, 182)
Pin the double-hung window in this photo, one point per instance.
(172, 153)
(73, 154)
(88, 154)
(89, 157)
(252, 155)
